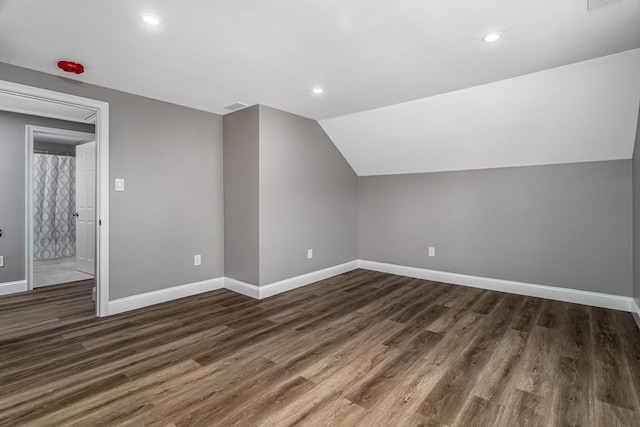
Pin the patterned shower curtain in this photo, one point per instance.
(54, 226)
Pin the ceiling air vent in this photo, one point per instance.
(235, 106)
(594, 4)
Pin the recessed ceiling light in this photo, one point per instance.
(150, 20)
(317, 90)
(491, 37)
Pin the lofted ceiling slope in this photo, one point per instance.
(577, 113)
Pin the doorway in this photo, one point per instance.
(45, 103)
(62, 197)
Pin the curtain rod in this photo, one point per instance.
(53, 152)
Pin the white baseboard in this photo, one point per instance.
(635, 308)
(265, 291)
(7, 288)
(305, 279)
(259, 292)
(243, 288)
(163, 295)
(596, 299)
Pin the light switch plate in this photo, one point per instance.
(1, 261)
(119, 184)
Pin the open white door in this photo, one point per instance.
(86, 207)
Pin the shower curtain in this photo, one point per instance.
(54, 226)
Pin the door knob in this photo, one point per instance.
(76, 214)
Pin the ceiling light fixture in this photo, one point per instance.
(317, 90)
(491, 37)
(150, 20)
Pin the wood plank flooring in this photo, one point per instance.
(363, 348)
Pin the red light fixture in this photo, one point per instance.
(71, 67)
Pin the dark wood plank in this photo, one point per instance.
(628, 332)
(446, 399)
(551, 314)
(573, 393)
(528, 315)
(368, 393)
(525, 410)
(613, 384)
(479, 412)
(362, 348)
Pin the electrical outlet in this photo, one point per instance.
(309, 253)
(197, 259)
(432, 251)
(1, 261)
(119, 184)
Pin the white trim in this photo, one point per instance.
(86, 136)
(102, 208)
(258, 292)
(102, 174)
(163, 295)
(243, 288)
(275, 288)
(7, 288)
(635, 309)
(28, 207)
(305, 279)
(30, 132)
(596, 299)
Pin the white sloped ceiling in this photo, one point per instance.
(581, 112)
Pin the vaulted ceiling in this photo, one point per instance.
(407, 60)
(577, 113)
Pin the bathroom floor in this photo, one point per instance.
(47, 272)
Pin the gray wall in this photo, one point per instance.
(13, 187)
(308, 198)
(636, 215)
(172, 209)
(241, 261)
(287, 189)
(561, 225)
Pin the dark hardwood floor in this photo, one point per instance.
(362, 348)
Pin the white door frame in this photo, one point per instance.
(31, 131)
(101, 109)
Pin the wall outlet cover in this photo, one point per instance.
(309, 253)
(119, 184)
(197, 260)
(432, 251)
(1, 261)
